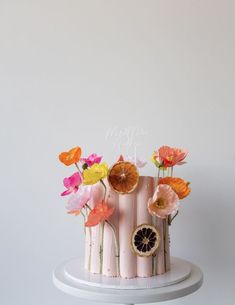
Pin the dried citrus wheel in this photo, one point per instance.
(145, 240)
(123, 177)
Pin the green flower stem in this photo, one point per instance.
(84, 218)
(78, 168)
(154, 262)
(89, 230)
(158, 176)
(164, 240)
(102, 231)
(168, 171)
(170, 219)
(101, 246)
(105, 189)
(154, 223)
(87, 205)
(116, 246)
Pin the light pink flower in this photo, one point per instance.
(92, 159)
(72, 184)
(164, 201)
(79, 200)
(138, 162)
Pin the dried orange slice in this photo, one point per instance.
(145, 240)
(123, 177)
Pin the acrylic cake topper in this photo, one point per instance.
(126, 140)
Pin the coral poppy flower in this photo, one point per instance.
(172, 156)
(100, 213)
(123, 177)
(72, 184)
(70, 157)
(180, 186)
(95, 173)
(164, 202)
(167, 156)
(92, 159)
(78, 200)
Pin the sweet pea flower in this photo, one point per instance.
(72, 184)
(138, 162)
(92, 159)
(78, 200)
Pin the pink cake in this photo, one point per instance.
(126, 215)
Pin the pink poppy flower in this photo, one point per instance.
(138, 162)
(92, 159)
(72, 184)
(78, 200)
(164, 201)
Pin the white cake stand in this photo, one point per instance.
(184, 278)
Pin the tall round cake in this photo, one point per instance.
(126, 215)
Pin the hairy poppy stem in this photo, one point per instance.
(105, 189)
(78, 168)
(87, 205)
(164, 240)
(101, 246)
(171, 219)
(89, 230)
(158, 176)
(116, 246)
(102, 231)
(84, 218)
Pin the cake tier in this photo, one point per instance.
(130, 212)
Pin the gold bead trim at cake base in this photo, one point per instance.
(145, 240)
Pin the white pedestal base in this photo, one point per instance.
(71, 283)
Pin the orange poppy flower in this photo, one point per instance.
(70, 157)
(123, 177)
(100, 213)
(179, 186)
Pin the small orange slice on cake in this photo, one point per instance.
(145, 240)
(123, 177)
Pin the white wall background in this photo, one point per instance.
(69, 70)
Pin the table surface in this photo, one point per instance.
(128, 296)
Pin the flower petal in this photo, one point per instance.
(67, 192)
(100, 213)
(95, 173)
(70, 157)
(168, 196)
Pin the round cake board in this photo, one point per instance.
(74, 270)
